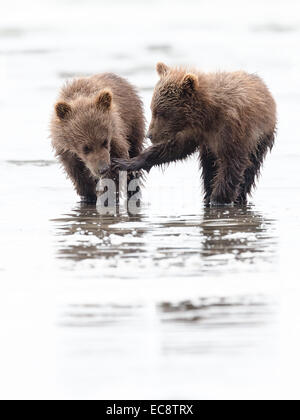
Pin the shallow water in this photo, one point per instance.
(178, 301)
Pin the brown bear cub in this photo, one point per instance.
(96, 119)
(230, 118)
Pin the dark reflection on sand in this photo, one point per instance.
(215, 324)
(99, 315)
(85, 222)
(217, 241)
(206, 312)
(215, 309)
(240, 232)
(215, 238)
(200, 326)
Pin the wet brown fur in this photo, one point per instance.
(230, 118)
(96, 119)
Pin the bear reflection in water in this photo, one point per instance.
(215, 238)
(241, 233)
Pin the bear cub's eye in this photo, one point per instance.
(86, 150)
(105, 144)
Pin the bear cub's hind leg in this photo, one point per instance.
(252, 172)
(229, 179)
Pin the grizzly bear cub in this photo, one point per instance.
(230, 118)
(96, 119)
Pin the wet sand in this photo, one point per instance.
(179, 301)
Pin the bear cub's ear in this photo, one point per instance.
(189, 83)
(104, 100)
(62, 110)
(162, 69)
